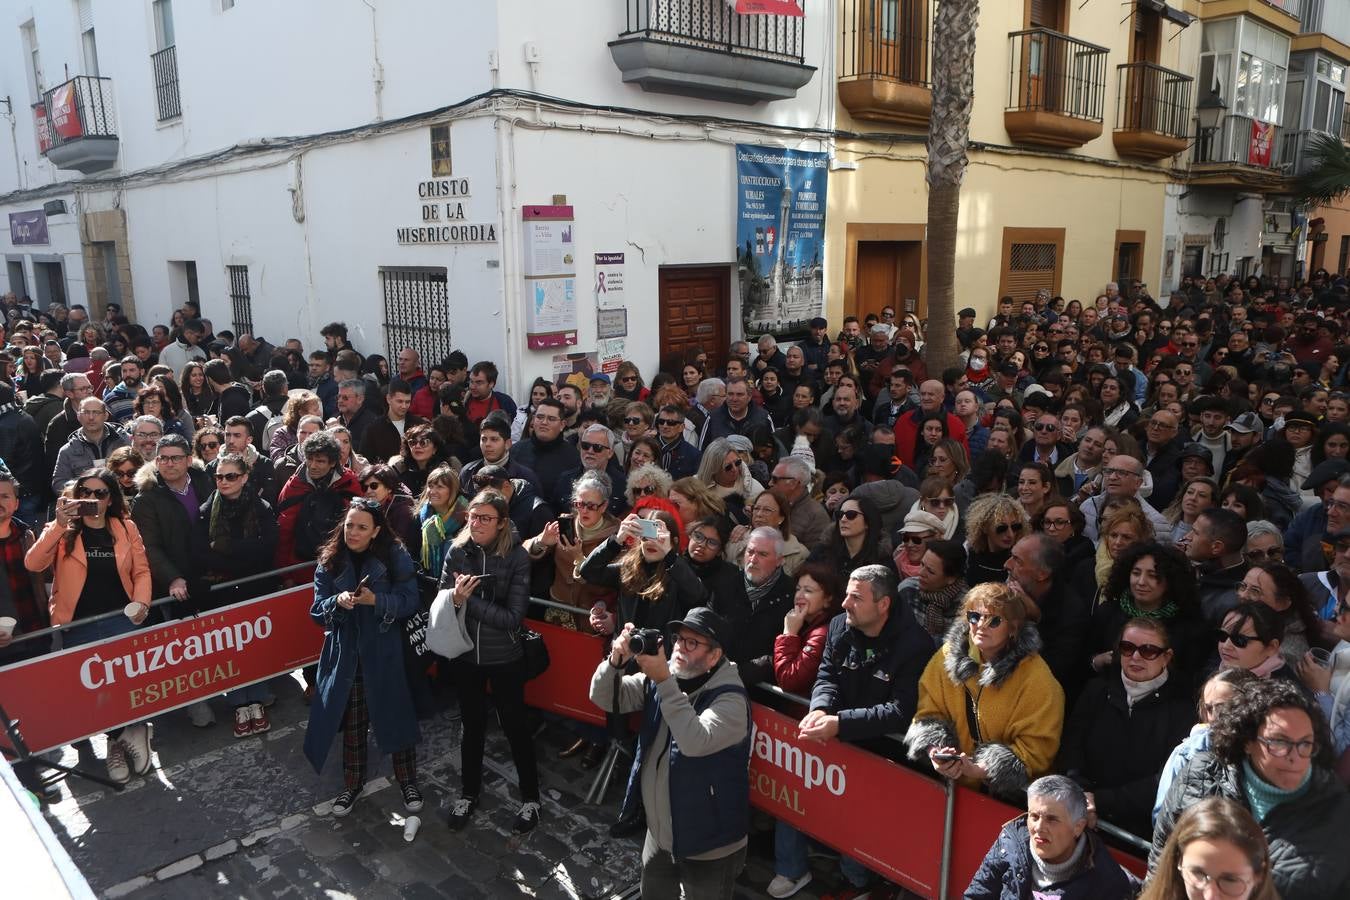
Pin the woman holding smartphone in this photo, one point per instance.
(99, 567)
(488, 574)
(364, 586)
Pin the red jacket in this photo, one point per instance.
(796, 659)
(297, 486)
(907, 432)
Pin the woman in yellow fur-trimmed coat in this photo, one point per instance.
(990, 712)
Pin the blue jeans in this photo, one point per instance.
(253, 693)
(77, 632)
(790, 849)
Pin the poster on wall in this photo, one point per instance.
(609, 281)
(611, 354)
(780, 238)
(575, 369)
(28, 227)
(550, 277)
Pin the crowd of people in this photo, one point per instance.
(1100, 567)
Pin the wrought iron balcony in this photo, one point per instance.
(1153, 111)
(164, 64)
(1056, 89)
(885, 60)
(1240, 152)
(76, 125)
(703, 48)
(1294, 151)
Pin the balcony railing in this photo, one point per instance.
(77, 125)
(1292, 7)
(1345, 126)
(888, 39)
(1240, 140)
(167, 99)
(715, 25)
(1151, 98)
(1052, 72)
(1294, 150)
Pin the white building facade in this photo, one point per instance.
(373, 162)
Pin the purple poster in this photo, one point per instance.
(28, 227)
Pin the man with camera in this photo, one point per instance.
(690, 771)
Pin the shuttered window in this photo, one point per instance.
(1033, 259)
(241, 301)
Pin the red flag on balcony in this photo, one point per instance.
(1263, 139)
(65, 115)
(769, 8)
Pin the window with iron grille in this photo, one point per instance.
(440, 151)
(241, 301)
(416, 311)
(1031, 267)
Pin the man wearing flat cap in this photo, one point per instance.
(690, 771)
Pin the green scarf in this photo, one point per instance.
(1167, 611)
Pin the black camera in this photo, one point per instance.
(645, 641)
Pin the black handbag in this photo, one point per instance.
(535, 652)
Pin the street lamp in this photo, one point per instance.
(1209, 113)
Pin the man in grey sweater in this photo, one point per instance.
(690, 771)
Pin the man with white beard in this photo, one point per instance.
(690, 771)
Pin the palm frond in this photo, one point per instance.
(1328, 175)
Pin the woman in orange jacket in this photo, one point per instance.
(99, 570)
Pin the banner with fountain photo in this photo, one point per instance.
(780, 238)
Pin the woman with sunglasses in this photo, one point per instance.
(423, 452)
(989, 674)
(768, 510)
(1250, 638)
(647, 480)
(724, 471)
(857, 539)
(994, 522)
(569, 539)
(1270, 753)
(638, 422)
(206, 443)
(488, 574)
(364, 586)
(1125, 724)
(628, 383)
(125, 462)
(919, 529)
(1157, 583)
(938, 498)
(234, 536)
(381, 484)
(99, 566)
(442, 512)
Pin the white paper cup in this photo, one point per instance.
(132, 610)
(7, 624)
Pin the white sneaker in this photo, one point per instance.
(136, 740)
(782, 886)
(118, 770)
(201, 714)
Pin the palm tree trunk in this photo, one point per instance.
(948, 137)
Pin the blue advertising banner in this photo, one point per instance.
(780, 238)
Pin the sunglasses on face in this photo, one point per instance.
(975, 618)
(940, 501)
(646, 490)
(1046, 426)
(1126, 649)
(97, 493)
(669, 423)
(372, 485)
(632, 420)
(232, 477)
(593, 448)
(1239, 641)
(124, 473)
(850, 514)
(917, 539)
(1005, 526)
(589, 505)
(418, 442)
(210, 445)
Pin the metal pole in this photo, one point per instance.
(945, 871)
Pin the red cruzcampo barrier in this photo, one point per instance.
(86, 690)
(565, 688)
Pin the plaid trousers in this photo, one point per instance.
(355, 727)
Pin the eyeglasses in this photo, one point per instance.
(850, 514)
(1108, 471)
(171, 458)
(1056, 523)
(479, 517)
(1041, 348)
(232, 477)
(632, 420)
(151, 435)
(688, 644)
(1239, 641)
(975, 618)
(593, 448)
(670, 423)
(1002, 528)
(210, 445)
(97, 493)
(774, 479)
(1044, 427)
(646, 490)
(418, 441)
(589, 505)
(698, 537)
(1229, 885)
(1126, 649)
(1282, 747)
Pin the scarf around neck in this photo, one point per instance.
(756, 593)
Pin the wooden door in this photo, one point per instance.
(695, 312)
(893, 39)
(1043, 70)
(878, 277)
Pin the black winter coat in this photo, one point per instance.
(683, 591)
(167, 530)
(752, 651)
(872, 684)
(1006, 873)
(726, 590)
(1306, 836)
(1117, 751)
(248, 551)
(495, 611)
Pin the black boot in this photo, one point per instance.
(630, 825)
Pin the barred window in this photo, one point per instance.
(416, 311)
(1031, 267)
(440, 151)
(241, 301)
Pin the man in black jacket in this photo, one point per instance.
(548, 454)
(1034, 568)
(769, 593)
(21, 451)
(867, 687)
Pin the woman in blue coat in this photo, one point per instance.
(364, 587)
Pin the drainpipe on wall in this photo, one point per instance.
(377, 67)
